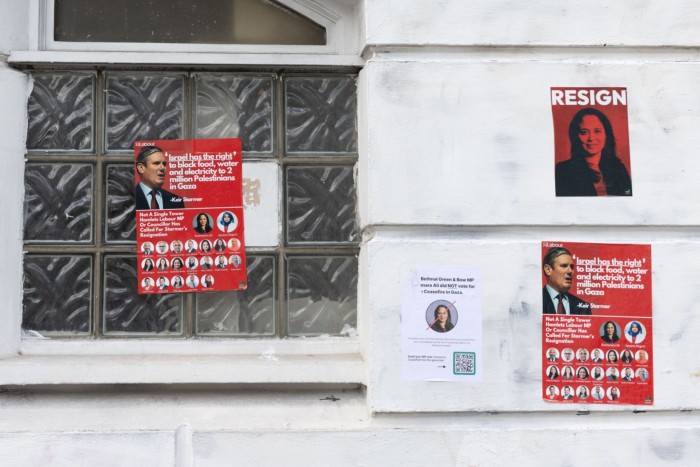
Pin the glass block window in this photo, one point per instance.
(79, 222)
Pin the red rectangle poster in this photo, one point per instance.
(591, 142)
(597, 323)
(189, 215)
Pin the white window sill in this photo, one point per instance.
(317, 361)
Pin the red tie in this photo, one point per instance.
(560, 305)
(154, 203)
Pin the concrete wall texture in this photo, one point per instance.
(456, 168)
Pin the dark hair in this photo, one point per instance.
(613, 353)
(146, 151)
(553, 253)
(448, 324)
(611, 167)
(605, 331)
(639, 329)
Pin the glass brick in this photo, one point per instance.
(321, 295)
(127, 312)
(57, 294)
(321, 115)
(58, 203)
(321, 205)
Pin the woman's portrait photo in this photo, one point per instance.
(627, 356)
(205, 246)
(552, 372)
(202, 223)
(610, 332)
(147, 264)
(177, 282)
(177, 264)
(227, 221)
(234, 244)
(219, 245)
(582, 373)
(235, 261)
(567, 373)
(611, 356)
(441, 316)
(593, 168)
(635, 332)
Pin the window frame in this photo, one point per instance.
(36, 361)
(339, 18)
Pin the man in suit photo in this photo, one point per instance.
(152, 167)
(558, 267)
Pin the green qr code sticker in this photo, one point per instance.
(464, 363)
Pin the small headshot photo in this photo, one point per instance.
(147, 284)
(582, 392)
(162, 264)
(552, 372)
(567, 373)
(163, 283)
(177, 282)
(642, 374)
(626, 356)
(147, 248)
(597, 373)
(147, 265)
(235, 261)
(598, 393)
(207, 281)
(641, 356)
(635, 332)
(234, 244)
(582, 373)
(610, 332)
(613, 393)
(219, 245)
(552, 393)
(611, 356)
(191, 246)
(192, 281)
(192, 262)
(612, 374)
(627, 374)
(177, 264)
(205, 262)
(597, 356)
(227, 221)
(162, 247)
(567, 393)
(582, 355)
(552, 354)
(202, 223)
(221, 262)
(205, 246)
(441, 316)
(176, 246)
(567, 355)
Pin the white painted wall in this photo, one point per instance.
(456, 167)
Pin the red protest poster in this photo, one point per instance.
(597, 323)
(591, 142)
(189, 215)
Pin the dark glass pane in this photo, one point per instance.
(125, 311)
(58, 202)
(232, 106)
(244, 312)
(57, 294)
(321, 115)
(321, 204)
(121, 215)
(321, 295)
(183, 21)
(60, 111)
(143, 107)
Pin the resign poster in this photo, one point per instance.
(189, 215)
(591, 142)
(597, 323)
(441, 325)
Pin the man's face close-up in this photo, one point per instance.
(560, 275)
(152, 172)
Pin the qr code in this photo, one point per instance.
(464, 363)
